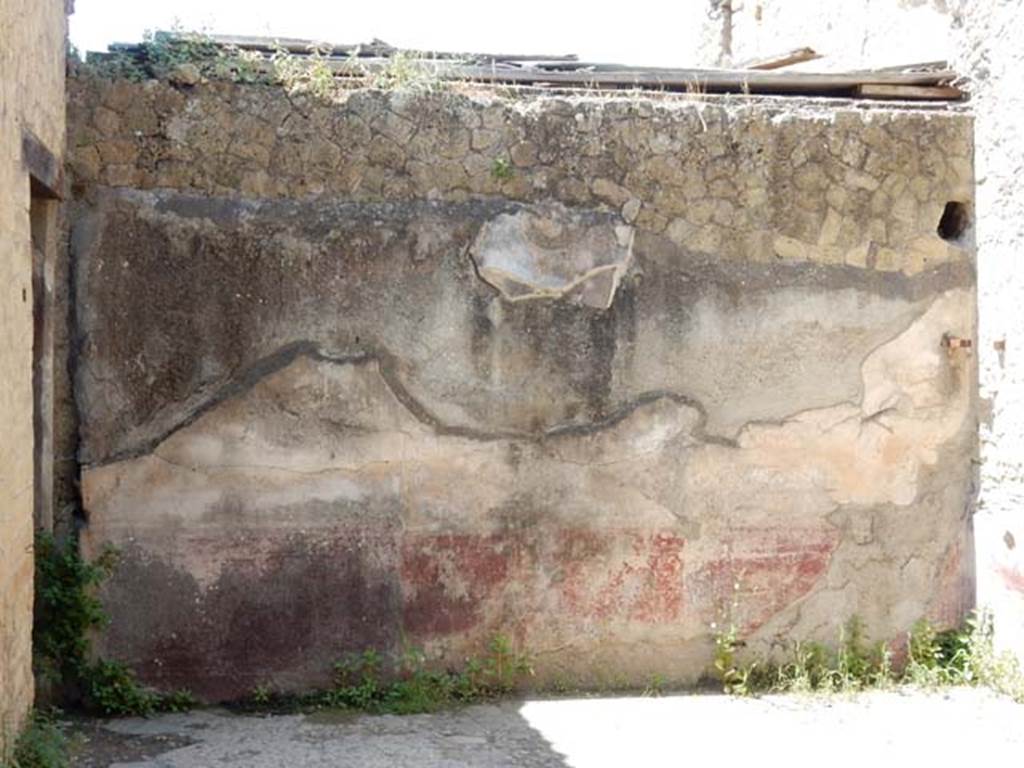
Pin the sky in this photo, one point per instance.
(652, 32)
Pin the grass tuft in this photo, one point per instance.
(366, 682)
(965, 656)
(42, 744)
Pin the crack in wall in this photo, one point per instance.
(340, 468)
(388, 366)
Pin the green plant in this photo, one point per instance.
(501, 169)
(357, 682)
(407, 70)
(857, 666)
(964, 656)
(67, 612)
(655, 686)
(806, 671)
(159, 55)
(115, 66)
(241, 66)
(503, 667)
(361, 684)
(924, 656)
(810, 667)
(66, 608)
(941, 658)
(41, 744)
(733, 676)
(304, 74)
(261, 695)
(113, 690)
(181, 700)
(164, 52)
(999, 670)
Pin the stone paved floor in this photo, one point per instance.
(955, 728)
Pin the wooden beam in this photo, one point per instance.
(918, 67)
(695, 80)
(781, 60)
(909, 92)
(46, 172)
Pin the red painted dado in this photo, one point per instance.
(454, 584)
(643, 584)
(290, 605)
(954, 592)
(764, 571)
(448, 579)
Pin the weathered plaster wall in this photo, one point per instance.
(342, 385)
(31, 99)
(982, 40)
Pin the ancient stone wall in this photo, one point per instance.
(31, 144)
(600, 373)
(981, 40)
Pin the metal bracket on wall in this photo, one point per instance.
(955, 342)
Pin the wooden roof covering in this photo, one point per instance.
(932, 81)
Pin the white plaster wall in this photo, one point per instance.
(850, 34)
(990, 38)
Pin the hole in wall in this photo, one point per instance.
(954, 222)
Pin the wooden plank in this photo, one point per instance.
(780, 60)
(918, 67)
(739, 81)
(909, 92)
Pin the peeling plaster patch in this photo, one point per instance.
(549, 251)
(916, 398)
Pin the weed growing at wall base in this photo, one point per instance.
(41, 744)
(67, 612)
(965, 656)
(363, 682)
(66, 608)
